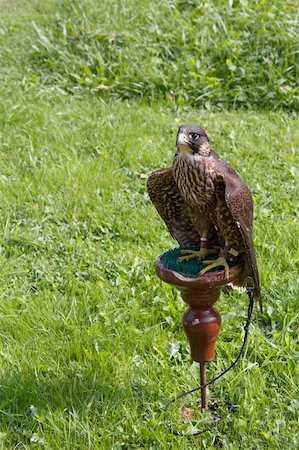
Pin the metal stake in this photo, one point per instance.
(203, 380)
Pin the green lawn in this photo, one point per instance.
(86, 327)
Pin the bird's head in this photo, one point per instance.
(193, 140)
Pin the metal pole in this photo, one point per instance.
(203, 380)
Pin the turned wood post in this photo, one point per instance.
(201, 321)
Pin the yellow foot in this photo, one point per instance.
(215, 263)
(191, 254)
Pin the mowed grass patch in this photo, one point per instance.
(89, 336)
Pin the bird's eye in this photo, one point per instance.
(194, 136)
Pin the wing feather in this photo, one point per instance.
(239, 201)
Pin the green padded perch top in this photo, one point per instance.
(189, 268)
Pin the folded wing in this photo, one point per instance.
(239, 201)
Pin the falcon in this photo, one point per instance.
(203, 201)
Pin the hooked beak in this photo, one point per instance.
(181, 139)
(182, 143)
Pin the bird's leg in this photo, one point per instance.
(220, 261)
(200, 254)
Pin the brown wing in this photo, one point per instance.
(239, 201)
(170, 205)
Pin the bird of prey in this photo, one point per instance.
(203, 201)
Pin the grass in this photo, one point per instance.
(91, 342)
(212, 54)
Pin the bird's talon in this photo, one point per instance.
(184, 258)
(191, 254)
(211, 264)
(185, 251)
